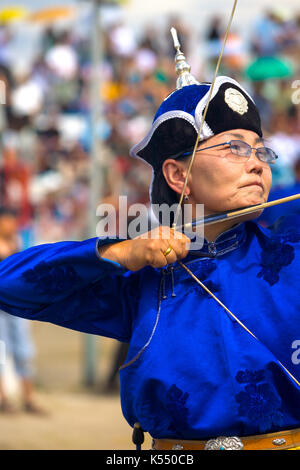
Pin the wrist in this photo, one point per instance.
(113, 252)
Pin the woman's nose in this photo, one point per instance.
(254, 163)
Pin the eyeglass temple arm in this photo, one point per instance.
(212, 146)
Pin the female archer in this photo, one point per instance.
(197, 375)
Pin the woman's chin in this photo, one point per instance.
(253, 200)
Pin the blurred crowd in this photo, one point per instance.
(45, 123)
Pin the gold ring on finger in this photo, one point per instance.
(168, 251)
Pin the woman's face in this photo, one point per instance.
(221, 182)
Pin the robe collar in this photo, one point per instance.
(227, 241)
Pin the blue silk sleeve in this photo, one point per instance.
(68, 284)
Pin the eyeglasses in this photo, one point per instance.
(243, 151)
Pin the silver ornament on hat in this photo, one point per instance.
(182, 68)
(236, 101)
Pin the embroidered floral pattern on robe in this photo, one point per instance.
(52, 280)
(277, 254)
(257, 401)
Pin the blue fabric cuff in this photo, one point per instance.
(108, 241)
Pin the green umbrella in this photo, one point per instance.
(265, 68)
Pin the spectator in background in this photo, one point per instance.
(27, 97)
(122, 40)
(213, 38)
(62, 59)
(285, 142)
(269, 33)
(272, 214)
(14, 332)
(263, 104)
(14, 182)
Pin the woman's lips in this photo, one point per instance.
(254, 184)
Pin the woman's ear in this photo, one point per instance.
(174, 172)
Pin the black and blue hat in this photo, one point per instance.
(177, 122)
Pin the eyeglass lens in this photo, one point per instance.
(241, 148)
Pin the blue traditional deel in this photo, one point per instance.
(192, 371)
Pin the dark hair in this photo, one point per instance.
(161, 193)
(4, 211)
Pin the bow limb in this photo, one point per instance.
(204, 116)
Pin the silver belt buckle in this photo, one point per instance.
(224, 443)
